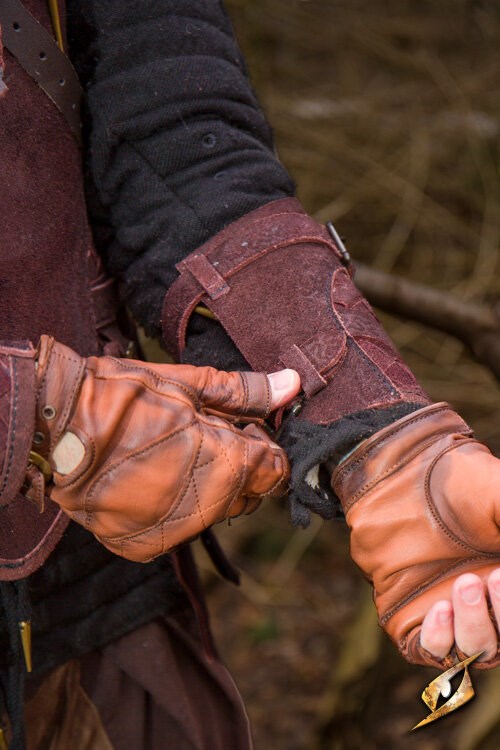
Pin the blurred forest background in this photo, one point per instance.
(387, 114)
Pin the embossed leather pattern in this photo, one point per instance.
(160, 465)
(17, 416)
(421, 500)
(277, 283)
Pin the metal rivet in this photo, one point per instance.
(296, 409)
(38, 438)
(49, 412)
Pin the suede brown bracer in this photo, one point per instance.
(278, 284)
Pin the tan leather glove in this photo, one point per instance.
(154, 466)
(422, 499)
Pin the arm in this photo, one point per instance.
(165, 188)
(271, 262)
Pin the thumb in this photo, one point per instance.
(285, 384)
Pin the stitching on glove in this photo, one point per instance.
(394, 467)
(223, 450)
(433, 509)
(442, 575)
(129, 456)
(156, 376)
(193, 478)
(70, 401)
(165, 520)
(276, 484)
(348, 469)
(238, 491)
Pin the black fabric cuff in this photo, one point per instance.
(308, 445)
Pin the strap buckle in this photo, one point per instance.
(41, 463)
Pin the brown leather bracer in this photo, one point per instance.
(282, 289)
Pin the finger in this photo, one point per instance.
(494, 589)
(268, 470)
(250, 394)
(437, 634)
(474, 630)
(285, 384)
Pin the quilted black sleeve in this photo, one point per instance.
(177, 145)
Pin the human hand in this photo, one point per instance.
(464, 619)
(421, 498)
(143, 455)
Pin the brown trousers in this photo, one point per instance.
(153, 689)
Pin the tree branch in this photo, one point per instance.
(478, 326)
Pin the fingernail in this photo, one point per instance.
(471, 594)
(283, 380)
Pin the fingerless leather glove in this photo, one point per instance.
(422, 500)
(155, 462)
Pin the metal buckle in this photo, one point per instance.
(42, 464)
(346, 257)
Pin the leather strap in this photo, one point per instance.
(206, 274)
(38, 53)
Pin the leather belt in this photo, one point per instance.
(38, 53)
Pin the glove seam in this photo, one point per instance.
(241, 480)
(433, 509)
(369, 486)
(442, 576)
(277, 483)
(155, 376)
(345, 471)
(89, 495)
(64, 419)
(165, 520)
(193, 479)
